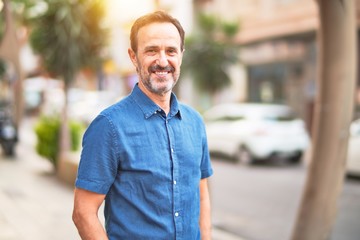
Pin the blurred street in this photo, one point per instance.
(254, 203)
(34, 203)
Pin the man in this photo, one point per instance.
(147, 155)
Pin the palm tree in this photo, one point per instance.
(69, 36)
(210, 52)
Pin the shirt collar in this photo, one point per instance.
(150, 108)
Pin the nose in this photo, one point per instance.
(162, 60)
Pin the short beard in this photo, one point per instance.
(152, 84)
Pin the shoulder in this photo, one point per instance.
(113, 114)
(122, 107)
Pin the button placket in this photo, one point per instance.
(175, 178)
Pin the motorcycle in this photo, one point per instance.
(8, 132)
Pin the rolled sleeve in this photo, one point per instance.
(98, 163)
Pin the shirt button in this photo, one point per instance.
(176, 214)
(172, 150)
(175, 182)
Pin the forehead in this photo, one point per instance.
(158, 34)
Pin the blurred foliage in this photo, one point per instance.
(230, 29)
(70, 36)
(25, 11)
(47, 131)
(2, 69)
(209, 53)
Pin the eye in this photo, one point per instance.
(151, 51)
(172, 52)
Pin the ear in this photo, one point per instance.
(132, 56)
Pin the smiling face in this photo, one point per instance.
(158, 57)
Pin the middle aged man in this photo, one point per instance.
(147, 155)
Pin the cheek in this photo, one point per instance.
(145, 63)
(176, 63)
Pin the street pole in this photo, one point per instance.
(333, 112)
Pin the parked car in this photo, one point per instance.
(250, 131)
(353, 154)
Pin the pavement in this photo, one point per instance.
(34, 203)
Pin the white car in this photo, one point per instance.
(252, 131)
(353, 155)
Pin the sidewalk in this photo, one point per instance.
(34, 204)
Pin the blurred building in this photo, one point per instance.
(278, 49)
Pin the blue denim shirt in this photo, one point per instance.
(149, 165)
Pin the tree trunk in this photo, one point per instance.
(64, 138)
(332, 117)
(9, 50)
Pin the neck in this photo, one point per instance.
(162, 100)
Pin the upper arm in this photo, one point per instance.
(205, 211)
(85, 214)
(86, 202)
(204, 191)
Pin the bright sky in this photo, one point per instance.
(125, 10)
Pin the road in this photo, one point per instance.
(260, 202)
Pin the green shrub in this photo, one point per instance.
(47, 132)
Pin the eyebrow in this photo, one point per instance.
(157, 47)
(151, 47)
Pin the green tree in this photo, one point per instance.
(25, 11)
(69, 36)
(210, 52)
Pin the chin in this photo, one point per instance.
(162, 91)
(163, 85)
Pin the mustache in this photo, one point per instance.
(157, 68)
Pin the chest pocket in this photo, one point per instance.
(145, 148)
